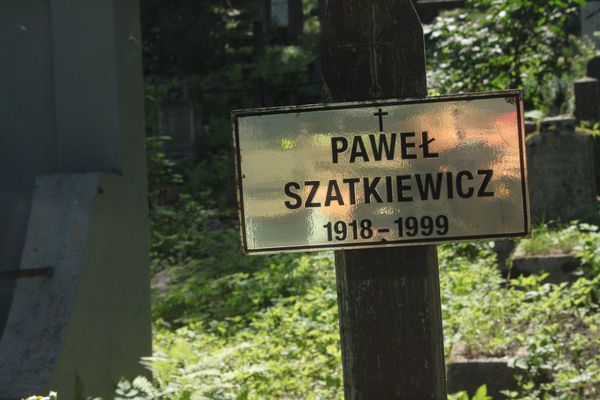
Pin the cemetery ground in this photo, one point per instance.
(266, 327)
(233, 327)
(227, 326)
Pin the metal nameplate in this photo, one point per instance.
(381, 173)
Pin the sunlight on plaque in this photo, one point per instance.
(385, 173)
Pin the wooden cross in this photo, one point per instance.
(389, 299)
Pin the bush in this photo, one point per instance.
(519, 44)
(550, 330)
(267, 328)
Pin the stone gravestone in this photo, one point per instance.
(587, 102)
(590, 21)
(596, 145)
(559, 267)
(465, 373)
(593, 71)
(279, 13)
(286, 14)
(560, 164)
(593, 68)
(73, 198)
(530, 127)
(179, 117)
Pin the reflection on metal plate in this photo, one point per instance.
(385, 173)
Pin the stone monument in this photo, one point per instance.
(179, 117)
(74, 202)
(590, 22)
(593, 67)
(587, 101)
(561, 177)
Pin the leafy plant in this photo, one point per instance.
(499, 44)
(555, 241)
(590, 127)
(212, 182)
(550, 330)
(269, 329)
(162, 172)
(140, 389)
(480, 394)
(51, 396)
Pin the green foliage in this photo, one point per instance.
(552, 330)
(474, 307)
(214, 281)
(185, 36)
(499, 44)
(256, 328)
(206, 49)
(578, 239)
(288, 350)
(559, 332)
(51, 396)
(234, 327)
(162, 172)
(182, 232)
(480, 394)
(211, 180)
(141, 388)
(556, 241)
(590, 127)
(277, 77)
(588, 251)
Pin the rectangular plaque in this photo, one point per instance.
(381, 173)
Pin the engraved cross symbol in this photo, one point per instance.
(380, 114)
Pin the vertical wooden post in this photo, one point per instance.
(389, 301)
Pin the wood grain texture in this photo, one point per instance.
(373, 50)
(390, 323)
(389, 300)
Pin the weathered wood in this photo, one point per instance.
(389, 303)
(373, 50)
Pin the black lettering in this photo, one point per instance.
(356, 143)
(313, 191)
(429, 186)
(337, 196)
(487, 176)
(425, 141)
(287, 189)
(335, 149)
(402, 187)
(450, 185)
(388, 189)
(371, 190)
(404, 144)
(351, 188)
(459, 185)
(383, 145)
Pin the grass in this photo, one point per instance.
(546, 241)
(235, 327)
(265, 327)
